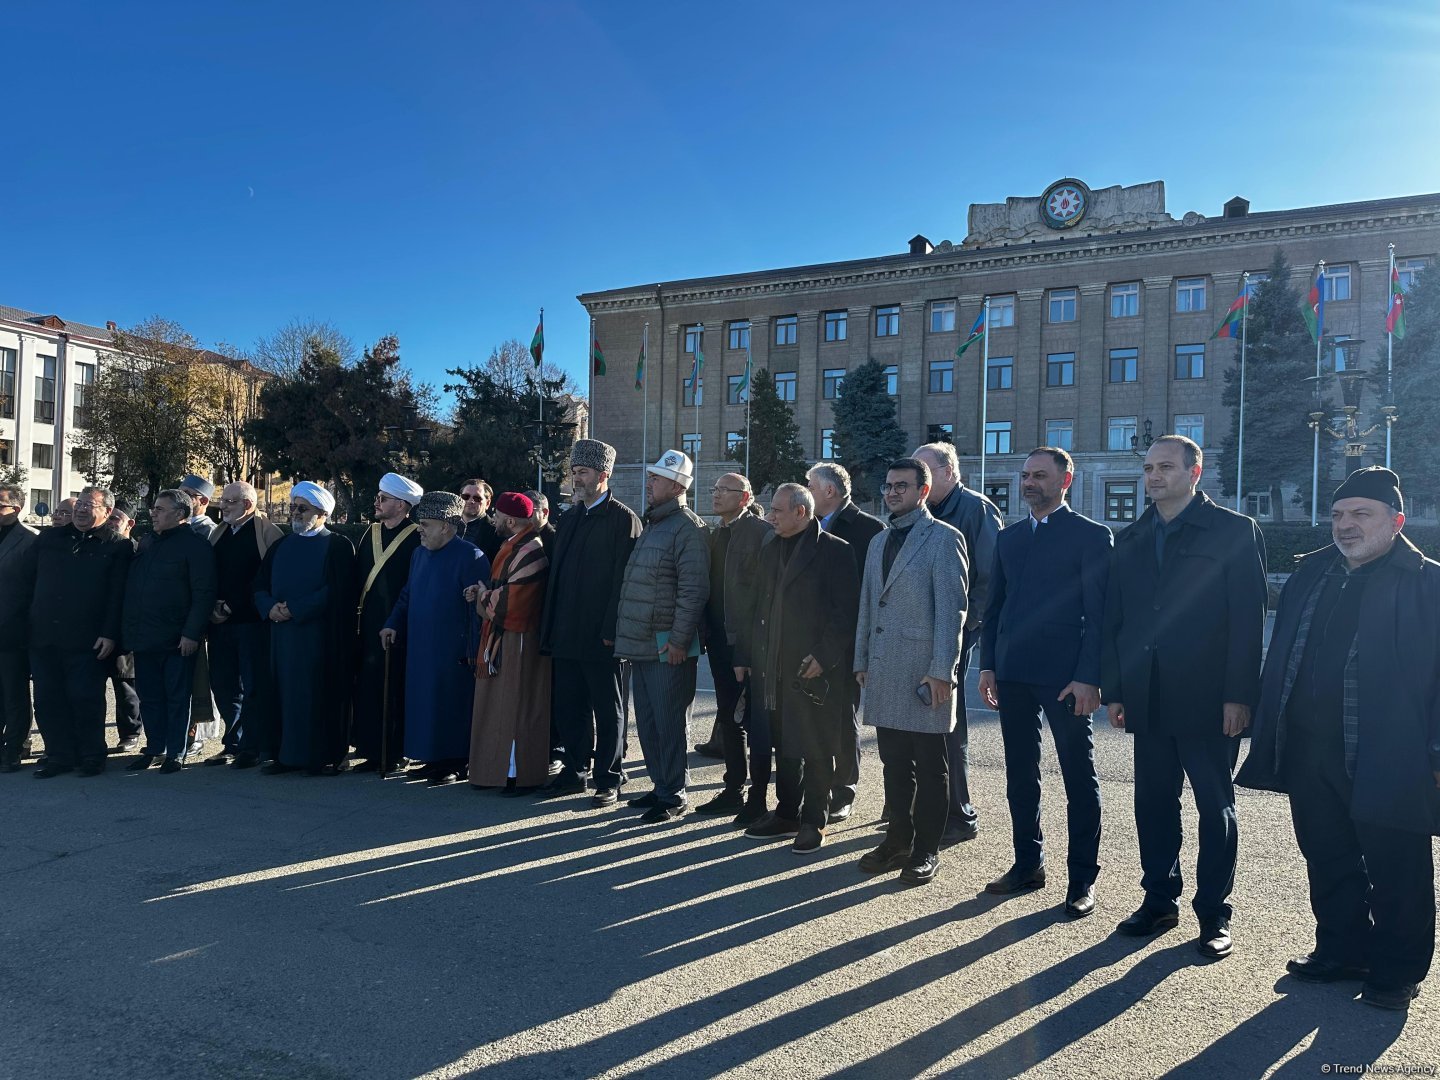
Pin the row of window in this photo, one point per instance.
(45, 390)
(1191, 295)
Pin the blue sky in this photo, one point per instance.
(439, 170)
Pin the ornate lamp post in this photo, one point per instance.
(1137, 441)
(410, 441)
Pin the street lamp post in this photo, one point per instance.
(1136, 441)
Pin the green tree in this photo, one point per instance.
(867, 435)
(1280, 357)
(1417, 391)
(776, 456)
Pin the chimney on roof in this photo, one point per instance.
(1237, 207)
(110, 325)
(919, 245)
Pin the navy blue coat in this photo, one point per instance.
(1399, 704)
(1046, 607)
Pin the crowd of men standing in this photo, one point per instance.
(501, 649)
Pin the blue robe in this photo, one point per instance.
(440, 631)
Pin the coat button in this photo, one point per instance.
(879, 629)
(1155, 607)
(882, 603)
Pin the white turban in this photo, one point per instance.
(315, 495)
(397, 486)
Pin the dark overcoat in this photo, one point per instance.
(1399, 690)
(857, 529)
(587, 565)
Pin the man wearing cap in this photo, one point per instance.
(305, 589)
(510, 733)
(16, 538)
(662, 600)
(201, 491)
(436, 623)
(382, 567)
(593, 542)
(239, 634)
(479, 529)
(544, 531)
(1348, 726)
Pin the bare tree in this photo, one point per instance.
(282, 352)
(513, 368)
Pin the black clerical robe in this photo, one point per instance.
(390, 550)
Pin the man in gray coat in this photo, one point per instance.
(907, 644)
(662, 600)
(15, 538)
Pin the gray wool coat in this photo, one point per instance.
(910, 625)
(666, 583)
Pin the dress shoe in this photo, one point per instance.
(1146, 921)
(958, 833)
(658, 815)
(1393, 996)
(45, 772)
(1079, 900)
(710, 750)
(140, 764)
(277, 768)
(9, 765)
(196, 748)
(224, 757)
(245, 761)
(567, 783)
(772, 826)
(127, 746)
(808, 840)
(921, 870)
(514, 792)
(838, 814)
(1017, 879)
(442, 779)
(171, 765)
(754, 810)
(648, 801)
(604, 798)
(91, 768)
(1314, 969)
(885, 858)
(1214, 940)
(729, 801)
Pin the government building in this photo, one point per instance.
(1102, 307)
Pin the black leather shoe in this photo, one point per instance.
(604, 798)
(1017, 879)
(1214, 941)
(9, 765)
(773, 826)
(754, 810)
(1079, 900)
(658, 815)
(1396, 997)
(959, 833)
(45, 772)
(648, 801)
(245, 761)
(1146, 922)
(442, 779)
(1313, 969)
(808, 840)
(126, 746)
(729, 801)
(224, 757)
(170, 765)
(710, 750)
(884, 859)
(140, 764)
(276, 768)
(564, 784)
(921, 870)
(838, 814)
(91, 768)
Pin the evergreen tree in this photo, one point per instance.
(1417, 392)
(1278, 400)
(867, 435)
(776, 456)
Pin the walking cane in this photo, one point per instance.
(385, 721)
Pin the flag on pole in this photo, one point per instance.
(976, 333)
(1314, 310)
(744, 387)
(537, 343)
(597, 357)
(693, 380)
(1395, 316)
(640, 360)
(1230, 326)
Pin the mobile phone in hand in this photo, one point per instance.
(923, 693)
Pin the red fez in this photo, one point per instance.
(513, 504)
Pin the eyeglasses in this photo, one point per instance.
(899, 489)
(473, 498)
(733, 491)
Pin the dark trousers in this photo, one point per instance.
(127, 705)
(165, 681)
(14, 703)
(804, 786)
(1162, 762)
(70, 704)
(238, 654)
(586, 705)
(663, 695)
(1372, 888)
(917, 787)
(847, 762)
(957, 743)
(746, 744)
(1021, 708)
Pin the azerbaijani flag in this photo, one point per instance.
(1395, 316)
(640, 360)
(1314, 310)
(976, 333)
(1230, 327)
(537, 343)
(744, 387)
(693, 380)
(597, 357)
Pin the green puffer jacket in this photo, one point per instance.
(666, 584)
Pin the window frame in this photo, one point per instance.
(944, 368)
(787, 331)
(827, 444)
(738, 334)
(1005, 308)
(1053, 428)
(694, 337)
(1189, 287)
(991, 367)
(1128, 428)
(735, 393)
(787, 385)
(890, 313)
(1062, 297)
(1334, 275)
(832, 382)
(1122, 505)
(1131, 368)
(1193, 355)
(837, 325)
(943, 308)
(1186, 423)
(1054, 361)
(1129, 298)
(998, 428)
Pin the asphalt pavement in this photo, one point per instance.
(224, 924)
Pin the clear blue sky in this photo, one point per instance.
(439, 170)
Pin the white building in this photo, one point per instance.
(46, 364)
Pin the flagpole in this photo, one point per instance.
(644, 406)
(984, 390)
(590, 387)
(1240, 428)
(749, 393)
(1389, 355)
(1319, 341)
(540, 393)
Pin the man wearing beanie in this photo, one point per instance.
(577, 626)
(1349, 728)
(662, 601)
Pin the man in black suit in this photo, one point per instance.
(1180, 670)
(829, 485)
(16, 538)
(1040, 657)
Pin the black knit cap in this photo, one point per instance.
(1376, 483)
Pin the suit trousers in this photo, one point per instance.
(14, 703)
(734, 713)
(1022, 707)
(1162, 762)
(847, 763)
(917, 787)
(957, 742)
(589, 713)
(239, 652)
(127, 702)
(1372, 888)
(165, 680)
(803, 786)
(663, 695)
(70, 704)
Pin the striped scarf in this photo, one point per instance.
(512, 603)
